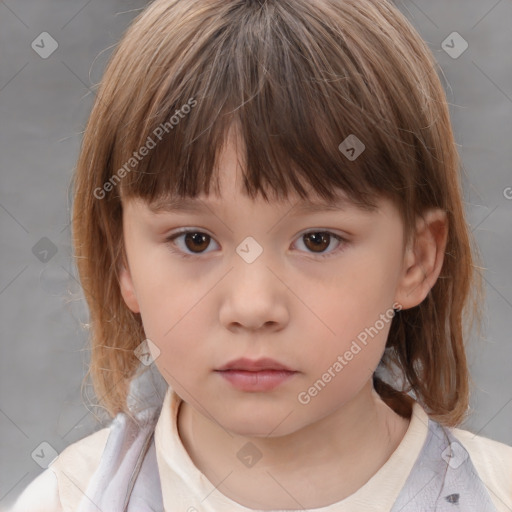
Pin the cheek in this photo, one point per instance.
(173, 324)
(355, 314)
(374, 274)
(176, 313)
(180, 338)
(356, 297)
(344, 364)
(166, 290)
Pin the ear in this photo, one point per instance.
(127, 288)
(423, 258)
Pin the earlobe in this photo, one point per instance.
(127, 289)
(423, 259)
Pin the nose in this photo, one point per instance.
(254, 297)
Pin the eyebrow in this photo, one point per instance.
(176, 205)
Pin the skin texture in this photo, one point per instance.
(290, 305)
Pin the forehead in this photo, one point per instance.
(297, 206)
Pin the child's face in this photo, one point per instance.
(325, 318)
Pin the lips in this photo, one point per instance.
(256, 376)
(255, 365)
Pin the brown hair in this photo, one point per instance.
(296, 77)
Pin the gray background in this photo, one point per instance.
(44, 104)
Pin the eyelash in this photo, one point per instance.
(170, 242)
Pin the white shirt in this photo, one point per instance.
(61, 487)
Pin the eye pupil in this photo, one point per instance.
(320, 240)
(197, 238)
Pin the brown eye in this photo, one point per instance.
(196, 241)
(317, 241)
(191, 243)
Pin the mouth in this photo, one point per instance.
(255, 375)
(255, 365)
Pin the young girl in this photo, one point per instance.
(293, 337)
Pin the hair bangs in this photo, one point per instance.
(250, 77)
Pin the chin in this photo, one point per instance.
(257, 425)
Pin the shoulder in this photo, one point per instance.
(41, 495)
(61, 487)
(493, 463)
(88, 450)
(75, 466)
